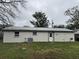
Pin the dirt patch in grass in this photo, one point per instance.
(47, 54)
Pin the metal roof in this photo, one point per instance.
(35, 29)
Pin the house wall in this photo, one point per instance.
(41, 37)
(23, 37)
(9, 37)
(64, 37)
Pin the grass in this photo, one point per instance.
(39, 51)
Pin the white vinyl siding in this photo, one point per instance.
(64, 37)
(23, 37)
(40, 37)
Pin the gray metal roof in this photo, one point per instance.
(35, 29)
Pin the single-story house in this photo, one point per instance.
(26, 34)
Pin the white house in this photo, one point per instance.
(24, 34)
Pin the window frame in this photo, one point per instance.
(34, 33)
(16, 34)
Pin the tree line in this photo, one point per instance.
(41, 20)
(72, 23)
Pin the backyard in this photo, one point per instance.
(39, 50)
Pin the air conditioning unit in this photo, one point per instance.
(30, 40)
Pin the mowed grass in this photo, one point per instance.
(39, 50)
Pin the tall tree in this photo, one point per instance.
(41, 20)
(7, 8)
(73, 22)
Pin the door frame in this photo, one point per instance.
(49, 36)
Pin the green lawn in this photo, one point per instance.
(39, 51)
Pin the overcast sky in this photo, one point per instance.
(54, 10)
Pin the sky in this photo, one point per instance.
(54, 9)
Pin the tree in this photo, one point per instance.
(70, 26)
(73, 22)
(59, 26)
(41, 20)
(7, 8)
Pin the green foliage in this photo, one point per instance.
(41, 20)
(59, 26)
(39, 50)
(73, 22)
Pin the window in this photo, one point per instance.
(34, 33)
(50, 34)
(16, 33)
